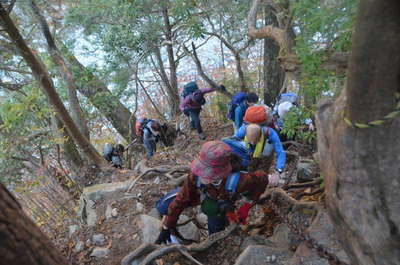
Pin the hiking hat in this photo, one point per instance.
(256, 114)
(213, 163)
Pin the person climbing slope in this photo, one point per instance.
(193, 100)
(150, 133)
(113, 154)
(262, 141)
(238, 106)
(213, 184)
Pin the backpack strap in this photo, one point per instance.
(231, 183)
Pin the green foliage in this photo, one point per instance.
(324, 28)
(294, 125)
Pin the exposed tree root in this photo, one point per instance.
(297, 144)
(303, 185)
(153, 251)
(283, 201)
(144, 170)
(319, 190)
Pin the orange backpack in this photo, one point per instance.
(256, 114)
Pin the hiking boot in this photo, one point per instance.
(202, 136)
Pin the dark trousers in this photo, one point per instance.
(215, 224)
(194, 115)
(150, 146)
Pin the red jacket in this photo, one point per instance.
(254, 183)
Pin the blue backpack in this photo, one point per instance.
(230, 186)
(239, 148)
(237, 99)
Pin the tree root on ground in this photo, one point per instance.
(153, 251)
(303, 185)
(144, 170)
(319, 190)
(283, 201)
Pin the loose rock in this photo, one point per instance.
(114, 212)
(99, 252)
(72, 230)
(262, 255)
(98, 239)
(79, 246)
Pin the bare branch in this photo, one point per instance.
(10, 69)
(201, 71)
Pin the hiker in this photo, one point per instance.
(261, 139)
(238, 106)
(113, 154)
(193, 99)
(213, 184)
(150, 133)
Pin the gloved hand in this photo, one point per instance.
(241, 214)
(222, 88)
(164, 236)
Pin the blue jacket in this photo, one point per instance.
(276, 142)
(240, 110)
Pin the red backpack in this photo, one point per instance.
(139, 126)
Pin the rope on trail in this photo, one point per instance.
(378, 122)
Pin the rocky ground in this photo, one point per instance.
(113, 222)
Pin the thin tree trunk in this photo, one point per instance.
(151, 100)
(72, 155)
(41, 75)
(66, 74)
(209, 81)
(361, 165)
(273, 74)
(173, 101)
(22, 242)
(173, 80)
(99, 95)
(238, 60)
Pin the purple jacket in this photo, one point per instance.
(187, 103)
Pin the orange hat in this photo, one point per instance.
(256, 114)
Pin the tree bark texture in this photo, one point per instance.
(40, 73)
(72, 155)
(361, 166)
(273, 74)
(173, 80)
(100, 96)
(21, 241)
(65, 72)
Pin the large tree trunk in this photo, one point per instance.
(173, 80)
(22, 242)
(99, 95)
(273, 74)
(41, 75)
(361, 166)
(66, 74)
